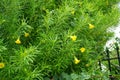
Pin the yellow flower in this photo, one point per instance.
(87, 65)
(73, 38)
(91, 26)
(18, 41)
(26, 34)
(73, 12)
(2, 65)
(76, 61)
(82, 49)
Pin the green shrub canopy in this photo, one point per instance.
(45, 39)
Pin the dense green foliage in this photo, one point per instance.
(43, 39)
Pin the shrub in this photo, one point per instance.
(44, 38)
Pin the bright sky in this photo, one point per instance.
(116, 31)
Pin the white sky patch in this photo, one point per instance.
(116, 31)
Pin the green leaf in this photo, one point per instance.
(66, 76)
(84, 76)
(74, 76)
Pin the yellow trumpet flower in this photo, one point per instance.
(73, 38)
(91, 26)
(26, 34)
(87, 65)
(82, 49)
(18, 41)
(2, 65)
(76, 61)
